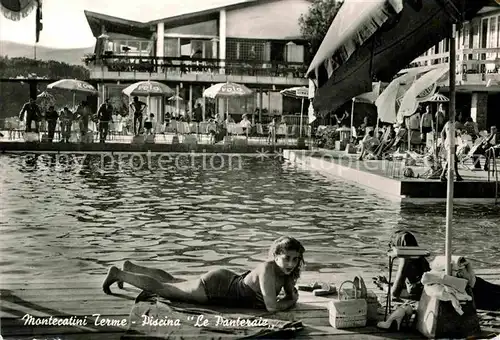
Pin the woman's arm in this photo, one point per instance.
(267, 282)
(400, 279)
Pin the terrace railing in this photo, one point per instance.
(184, 65)
(469, 61)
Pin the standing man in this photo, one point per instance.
(51, 116)
(83, 115)
(33, 114)
(138, 108)
(445, 134)
(105, 117)
(66, 120)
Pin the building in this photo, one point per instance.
(478, 67)
(256, 43)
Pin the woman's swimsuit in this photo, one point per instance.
(226, 288)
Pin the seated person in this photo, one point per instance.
(258, 288)
(388, 140)
(471, 128)
(407, 283)
(368, 144)
(491, 141)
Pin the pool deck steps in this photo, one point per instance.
(78, 298)
(386, 177)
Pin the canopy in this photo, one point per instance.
(296, 92)
(376, 39)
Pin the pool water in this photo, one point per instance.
(76, 216)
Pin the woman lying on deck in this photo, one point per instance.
(258, 288)
(410, 271)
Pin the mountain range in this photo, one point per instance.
(71, 56)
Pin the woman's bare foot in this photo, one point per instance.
(126, 267)
(110, 279)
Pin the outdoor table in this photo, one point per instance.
(405, 253)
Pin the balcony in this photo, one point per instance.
(185, 69)
(475, 68)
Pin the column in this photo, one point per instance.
(222, 39)
(102, 94)
(177, 102)
(261, 99)
(191, 100)
(479, 109)
(160, 43)
(203, 102)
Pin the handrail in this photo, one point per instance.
(492, 156)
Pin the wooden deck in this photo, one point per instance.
(84, 299)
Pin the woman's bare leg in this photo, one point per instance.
(190, 291)
(158, 274)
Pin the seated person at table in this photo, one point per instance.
(492, 140)
(368, 144)
(410, 271)
(258, 288)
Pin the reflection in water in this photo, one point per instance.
(73, 217)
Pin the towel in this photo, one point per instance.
(460, 267)
(446, 288)
(158, 318)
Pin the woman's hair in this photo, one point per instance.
(287, 243)
(403, 238)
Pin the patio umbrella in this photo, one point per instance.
(376, 39)
(73, 85)
(298, 93)
(227, 90)
(176, 98)
(148, 89)
(437, 98)
(367, 98)
(387, 103)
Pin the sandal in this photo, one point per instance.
(310, 287)
(326, 289)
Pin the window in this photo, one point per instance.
(171, 47)
(294, 53)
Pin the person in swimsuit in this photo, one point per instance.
(138, 108)
(407, 283)
(258, 288)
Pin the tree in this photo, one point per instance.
(315, 23)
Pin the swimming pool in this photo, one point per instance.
(75, 216)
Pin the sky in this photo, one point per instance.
(65, 25)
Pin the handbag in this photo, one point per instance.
(438, 319)
(347, 312)
(370, 297)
